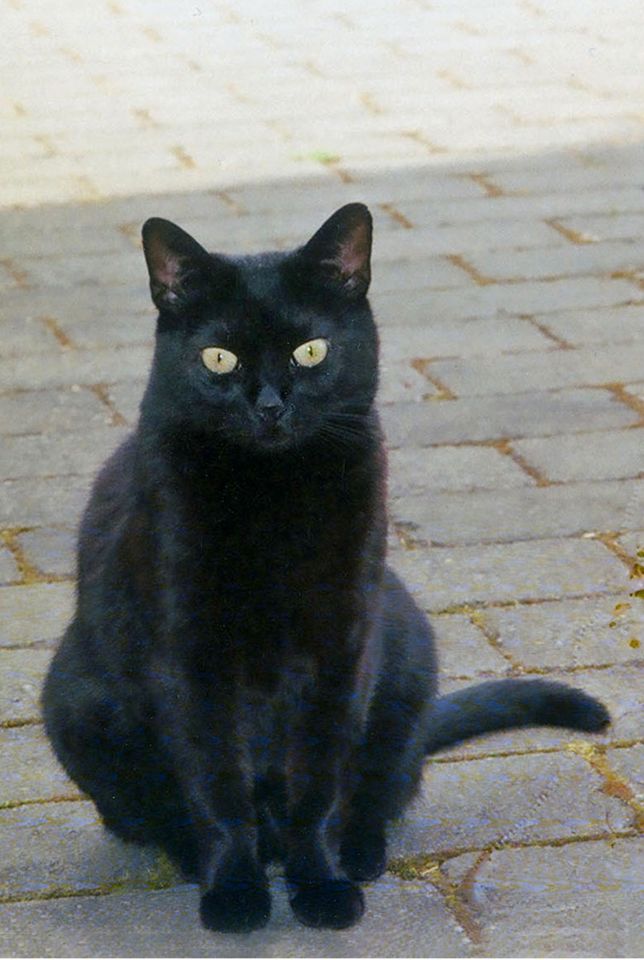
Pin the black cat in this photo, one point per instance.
(244, 679)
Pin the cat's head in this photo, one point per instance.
(270, 351)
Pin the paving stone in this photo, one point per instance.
(51, 411)
(581, 898)
(535, 207)
(8, 566)
(423, 471)
(402, 920)
(628, 762)
(596, 258)
(62, 848)
(43, 501)
(47, 456)
(21, 676)
(94, 270)
(400, 381)
(567, 458)
(77, 367)
(633, 512)
(450, 238)
(463, 650)
(506, 799)
(441, 577)
(608, 226)
(504, 415)
(92, 316)
(32, 772)
(609, 325)
(597, 630)
(381, 187)
(443, 338)
(34, 235)
(34, 612)
(541, 371)
(126, 398)
(516, 298)
(632, 542)
(26, 335)
(130, 327)
(434, 273)
(52, 550)
(568, 177)
(523, 513)
(637, 389)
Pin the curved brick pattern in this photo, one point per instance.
(518, 799)
(583, 900)
(508, 287)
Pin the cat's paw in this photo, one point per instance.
(235, 907)
(327, 903)
(363, 855)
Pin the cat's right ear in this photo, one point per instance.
(176, 263)
(340, 252)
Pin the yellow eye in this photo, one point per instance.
(311, 353)
(219, 360)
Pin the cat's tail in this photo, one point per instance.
(504, 704)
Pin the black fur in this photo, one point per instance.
(244, 679)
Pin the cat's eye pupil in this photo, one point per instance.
(219, 360)
(311, 353)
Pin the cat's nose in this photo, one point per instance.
(269, 404)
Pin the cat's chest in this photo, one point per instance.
(267, 563)
(272, 535)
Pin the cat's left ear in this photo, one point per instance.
(341, 249)
(176, 263)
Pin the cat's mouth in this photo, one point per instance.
(273, 436)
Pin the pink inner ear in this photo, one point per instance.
(167, 268)
(354, 252)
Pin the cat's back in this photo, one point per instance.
(110, 507)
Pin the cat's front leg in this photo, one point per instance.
(200, 731)
(321, 894)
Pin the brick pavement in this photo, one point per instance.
(500, 149)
